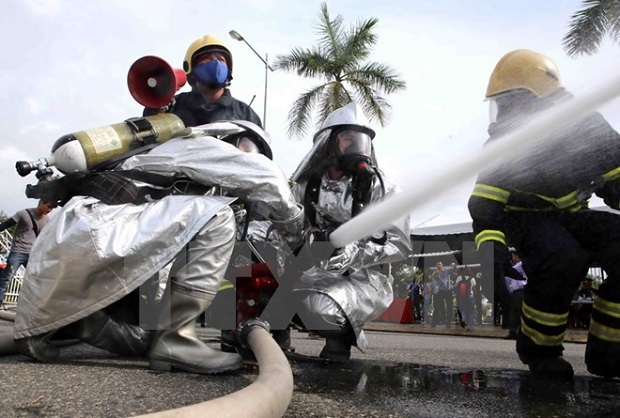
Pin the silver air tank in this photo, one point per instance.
(81, 151)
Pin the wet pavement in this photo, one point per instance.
(408, 371)
(413, 390)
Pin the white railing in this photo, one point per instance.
(5, 243)
(12, 291)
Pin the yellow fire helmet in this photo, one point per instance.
(204, 44)
(524, 69)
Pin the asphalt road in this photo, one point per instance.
(403, 374)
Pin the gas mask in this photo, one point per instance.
(212, 73)
(353, 149)
(509, 110)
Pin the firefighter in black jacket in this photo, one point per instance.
(208, 64)
(538, 203)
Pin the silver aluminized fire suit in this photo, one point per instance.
(92, 254)
(361, 291)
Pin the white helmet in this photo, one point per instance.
(347, 120)
(349, 115)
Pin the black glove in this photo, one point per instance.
(610, 193)
(320, 235)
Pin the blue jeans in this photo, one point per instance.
(13, 262)
(427, 306)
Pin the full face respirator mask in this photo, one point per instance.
(353, 149)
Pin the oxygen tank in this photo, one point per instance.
(83, 150)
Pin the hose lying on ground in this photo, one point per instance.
(7, 345)
(267, 397)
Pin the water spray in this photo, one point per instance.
(380, 215)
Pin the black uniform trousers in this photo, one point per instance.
(557, 250)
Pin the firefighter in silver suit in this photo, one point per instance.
(91, 254)
(335, 182)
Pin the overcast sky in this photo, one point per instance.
(65, 63)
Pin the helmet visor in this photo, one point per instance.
(510, 103)
(493, 110)
(352, 142)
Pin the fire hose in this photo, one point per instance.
(268, 396)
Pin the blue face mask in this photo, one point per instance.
(212, 73)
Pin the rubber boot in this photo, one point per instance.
(602, 357)
(102, 331)
(179, 348)
(550, 367)
(337, 350)
(283, 338)
(38, 347)
(338, 343)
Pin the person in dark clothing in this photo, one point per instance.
(415, 294)
(538, 202)
(516, 295)
(443, 296)
(208, 64)
(464, 293)
(29, 223)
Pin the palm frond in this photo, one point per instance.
(612, 11)
(335, 95)
(305, 62)
(358, 45)
(330, 32)
(380, 76)
(376, 108)
(300, 114)
(587, 29)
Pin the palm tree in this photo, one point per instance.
(339, 59)
(590, 24)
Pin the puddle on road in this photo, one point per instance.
(401, 386)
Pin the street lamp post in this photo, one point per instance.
(237, 36)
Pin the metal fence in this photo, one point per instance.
(12, 292)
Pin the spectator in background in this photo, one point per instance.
(29, 223)
(477, 290)
(515, 287)
(415, 294)
(443, 304)
(427, 295)
(582, 305)
(464, 284)
(586, 291)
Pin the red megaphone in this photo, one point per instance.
(153, 82)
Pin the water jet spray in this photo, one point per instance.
(380, 215)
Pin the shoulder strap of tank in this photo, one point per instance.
(35, 227)
(311, 197)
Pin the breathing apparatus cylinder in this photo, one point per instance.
(83, 150)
